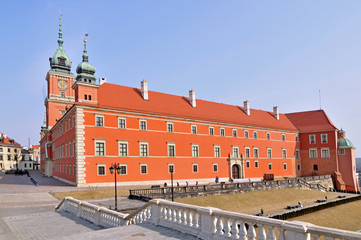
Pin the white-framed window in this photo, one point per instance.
(195, 167)
(234, 133)
(284, 153)
(169, 127)
(284, 166)
(100, 148)
(101, 169)
(246, 134)
(255, 152)
(269, 152)
(313, 153)
(217, 151)
(256, 164)
(255, 134)
(341, 151)
(62, 94)
(194, 129)
(299, 167)
(248, 164)
(269, 166)
(247, 152)
(211, 131)
(283, 137)
(122, 122)
(195, 150)
(99, 121)
(297, 154)
(296, 138)
(325, 153)
(215, 167)
(62, 112)
(143, 147)
(143, 124)
(221, 132)
(324, 138)
(268, 136)
(123, 169)
(171, 149)
(235, 152)
(171, 168)
(312, 138)
(143, 168)
(123, 149)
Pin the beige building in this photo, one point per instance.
(10, 153)
(30, 158)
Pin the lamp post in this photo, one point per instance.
(171, 180)
(111, 169)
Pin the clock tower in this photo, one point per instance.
(59, 83)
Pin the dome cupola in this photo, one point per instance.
(343, 142)
(60, 61)
(85, 70)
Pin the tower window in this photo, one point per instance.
(90, 97)
(86, 97)
(62, 94)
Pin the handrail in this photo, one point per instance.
(205, 222)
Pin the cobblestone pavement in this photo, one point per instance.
(27, 212)
(47, 225)
(132, 232)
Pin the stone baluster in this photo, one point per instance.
(189, 218)
(184, 217)
(261, 233)
(242, 231)
(234, 229)
(282, 235)
(271, 233)
(219, 226)
(169, 214)
(227, 227)
(179, 215)
(174, 215)
(195, 220)
(251, 232)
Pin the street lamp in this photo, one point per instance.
(171, 179)
(111, 169)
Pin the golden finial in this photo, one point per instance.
(84, 40)
(59, 15)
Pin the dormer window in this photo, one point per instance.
(61, 61)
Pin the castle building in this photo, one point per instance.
(10, 153)
(90, 126)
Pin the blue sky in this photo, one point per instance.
(268, 52)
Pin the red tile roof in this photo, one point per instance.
(124, 98)
(35, 146)
(311, 121)
(6, 139)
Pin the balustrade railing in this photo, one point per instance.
(205, 222)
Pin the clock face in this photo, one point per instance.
(62, 84)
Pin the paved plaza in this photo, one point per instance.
(27, 212)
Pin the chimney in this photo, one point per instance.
(145, 89)
(102, 80)
(247, 110)
(276, 113)
(192, 98)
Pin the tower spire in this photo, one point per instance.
(60, 38)
(85, 53)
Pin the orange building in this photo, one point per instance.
(151, 134)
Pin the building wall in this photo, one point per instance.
(10, 155)
(157, 138)
(325, 165)
(347, 166)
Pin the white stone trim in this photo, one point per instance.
(80, 147)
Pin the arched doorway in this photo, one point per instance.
(235, 171)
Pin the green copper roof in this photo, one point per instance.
(344, 143)
(43, 126)
(60, 61)
(85, 70)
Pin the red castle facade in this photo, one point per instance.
(90, 126)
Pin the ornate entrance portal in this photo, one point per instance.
(235, 171)
(236, 168)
